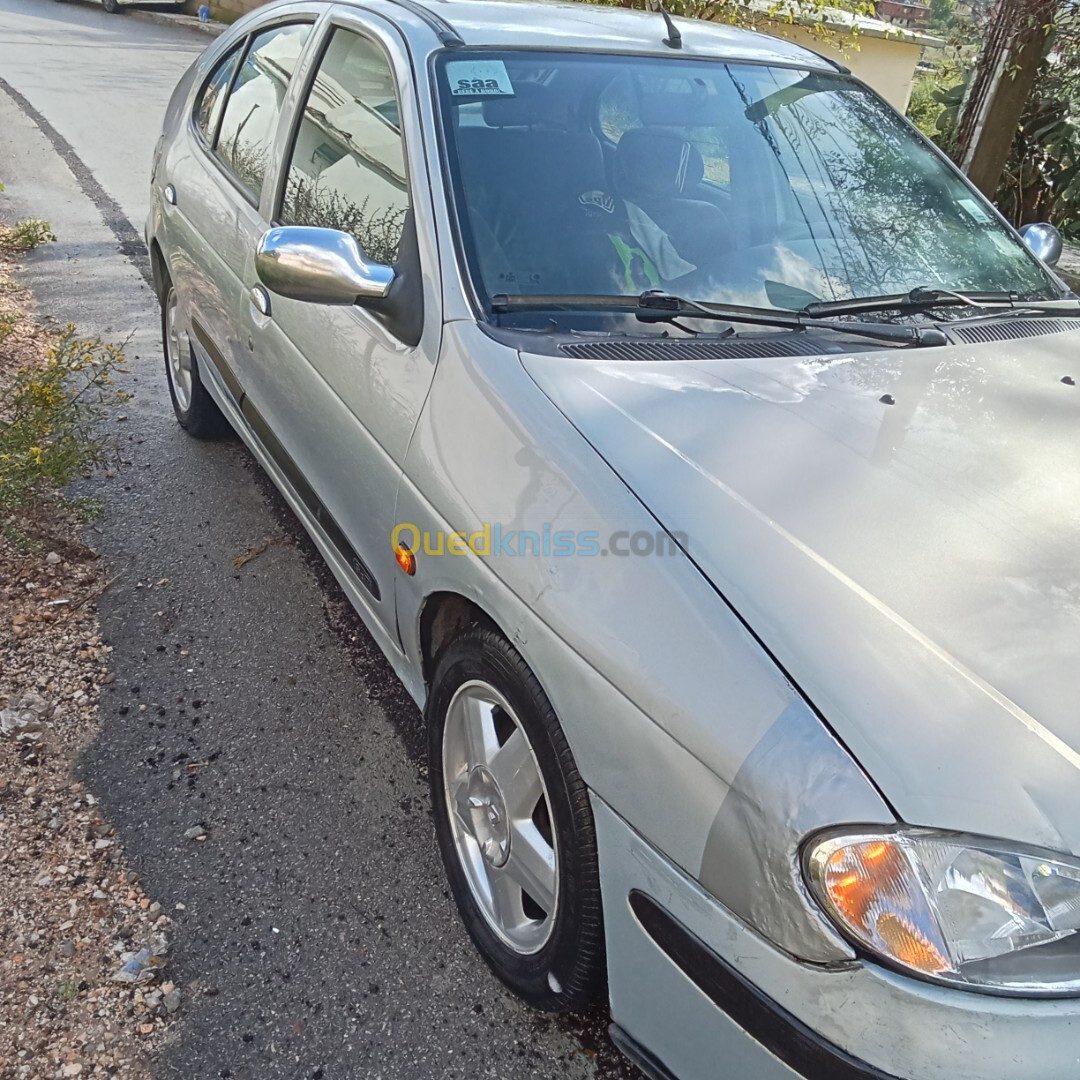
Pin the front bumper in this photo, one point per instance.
(699, 995)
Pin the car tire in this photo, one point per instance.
(111, 6)
(196, 411)
(546, 941)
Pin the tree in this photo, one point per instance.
(1041, 181)
(1017, 40)
(943, 16)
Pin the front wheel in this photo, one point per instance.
(514, 824)
(111, 6)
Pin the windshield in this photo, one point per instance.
(721, 182)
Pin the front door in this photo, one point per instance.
(341, 388)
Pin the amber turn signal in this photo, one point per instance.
(406, 559)
(871, 887)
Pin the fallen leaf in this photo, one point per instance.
(253, 553)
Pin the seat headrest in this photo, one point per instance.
(530, 104)
(536, 166)
(656, 163)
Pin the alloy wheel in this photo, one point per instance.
(500, 816)
(179, 354)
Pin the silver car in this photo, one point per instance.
(702, 450)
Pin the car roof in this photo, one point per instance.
(601, 28)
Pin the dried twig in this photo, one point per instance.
(253, 553)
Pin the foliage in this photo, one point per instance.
(49, 419)
(817, 16)
(935, 101)
(246, 160)
(1042, 176)
(942, 16)
(7, 323)
(24, 235)
(377, 231)
(1041, 181)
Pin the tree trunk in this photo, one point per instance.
(1000, 87)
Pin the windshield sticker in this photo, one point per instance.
(974, 210)
(600, 199)
(470, 77)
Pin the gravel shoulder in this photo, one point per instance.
(72, 911)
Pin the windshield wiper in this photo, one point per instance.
(918, 299)
(661, 306)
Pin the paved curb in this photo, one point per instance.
(168, 18)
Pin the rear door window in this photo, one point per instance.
(254, 105)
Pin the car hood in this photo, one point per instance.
(901, 530)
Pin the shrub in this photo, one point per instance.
(24, 235)
(8, 319)
(377, 231)
(50, 416)
(935, 101)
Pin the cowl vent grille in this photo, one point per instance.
(741, 349)
(1010, 329)
(810, 344)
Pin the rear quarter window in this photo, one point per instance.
(211, 101)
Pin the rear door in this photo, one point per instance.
(216, 173)
(339, 389)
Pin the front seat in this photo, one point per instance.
(524, 173)
(659, 171)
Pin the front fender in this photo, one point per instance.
(664, 695)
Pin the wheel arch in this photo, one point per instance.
(443, 616)
(159, 269)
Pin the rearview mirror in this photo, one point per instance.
(321, 266)
(1044, 240)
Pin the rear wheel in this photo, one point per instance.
(195, 409)
(514, 824)
(111, 6)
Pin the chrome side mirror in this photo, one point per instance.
(321, 266)
(1044, 240)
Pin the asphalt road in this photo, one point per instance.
(316, 937)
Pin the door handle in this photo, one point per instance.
(261, 299)
(170, 194)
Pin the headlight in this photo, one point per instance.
(955, 909)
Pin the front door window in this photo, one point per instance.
(347, 169)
